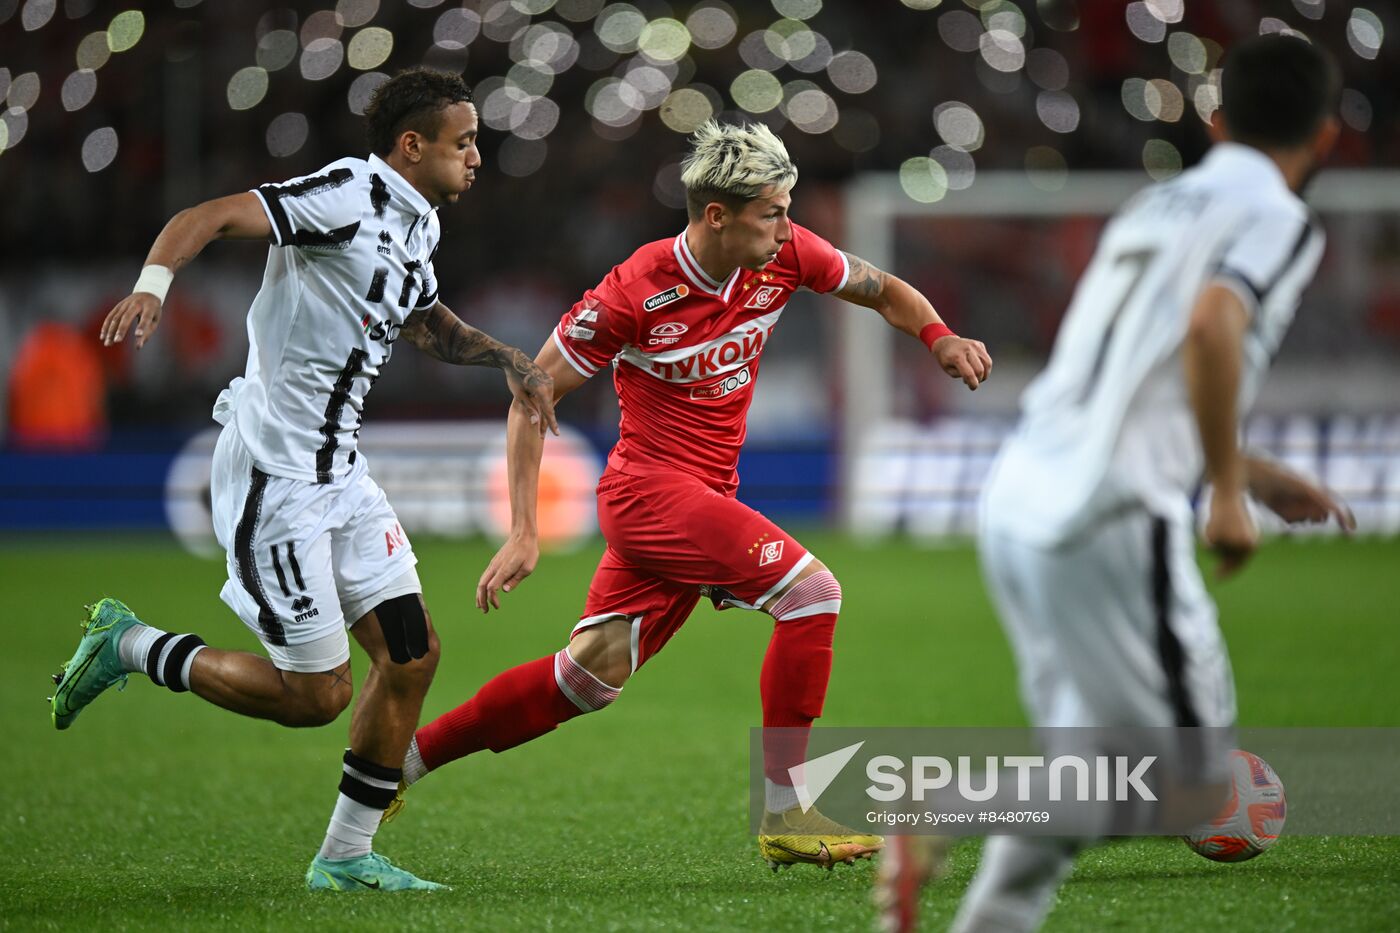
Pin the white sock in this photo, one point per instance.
(413, 767)
(163, 656)
(778, 798)
(136, 645)
(189, 663)
(366, 789)
(351, 830)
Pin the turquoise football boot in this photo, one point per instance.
(94, 666)
(371, 872)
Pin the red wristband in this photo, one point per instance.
(934, 332)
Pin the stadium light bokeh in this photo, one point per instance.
(646, 58)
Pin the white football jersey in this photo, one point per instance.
(353, 257)
(1108, 425)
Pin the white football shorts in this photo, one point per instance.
(1113, 629)
(305, 561)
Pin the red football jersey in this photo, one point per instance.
(685, 349)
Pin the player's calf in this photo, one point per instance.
(794, 678)
(793, 686)
(403, 650)
(527, 701)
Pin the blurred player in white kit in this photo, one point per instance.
(1087, 529)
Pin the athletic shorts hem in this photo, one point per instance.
(398, 582)
(312, 657)
(797, 567)
(295, 634)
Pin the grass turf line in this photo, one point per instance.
(161, 812)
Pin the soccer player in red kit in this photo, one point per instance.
(683, 323)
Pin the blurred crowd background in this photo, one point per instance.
(117, 115)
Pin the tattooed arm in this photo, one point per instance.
(442, 335)
(897, 301)
(905, 309)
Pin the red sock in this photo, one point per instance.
(793, 686)
(512, 708)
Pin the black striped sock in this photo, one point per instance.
(165, 662)
(369, 784)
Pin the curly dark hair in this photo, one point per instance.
(413, 99)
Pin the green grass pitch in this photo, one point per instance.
(157, 812)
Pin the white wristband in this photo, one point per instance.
(155, 280)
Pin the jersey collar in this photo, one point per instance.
(1247, 162)
(692, 270)
(408, 196)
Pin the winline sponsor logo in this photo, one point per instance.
(674, 293)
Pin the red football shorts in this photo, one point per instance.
(668, 534)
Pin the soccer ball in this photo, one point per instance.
(1251, 819)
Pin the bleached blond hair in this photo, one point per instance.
(732, 164)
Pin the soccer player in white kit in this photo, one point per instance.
(1087, 532)
(314, 548)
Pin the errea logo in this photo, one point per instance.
(660, 299)
(667, 333)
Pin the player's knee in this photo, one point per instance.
(409, 640)
(583, 687)
(815, 594)
(434, 655)
(317, 702)
(604, 652)
(613, 670)
(330, 704)
(413, 677)
(614, 674)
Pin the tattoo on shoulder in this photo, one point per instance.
(865, 281)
